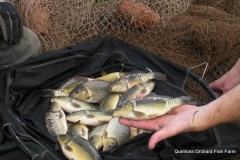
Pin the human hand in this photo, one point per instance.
(10, 23)
(179, 120)
(227, 81)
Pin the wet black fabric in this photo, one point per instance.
(23, 108)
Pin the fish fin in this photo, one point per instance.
(49, 93)
(152, 94)
(91, 116)
(83, 132)
(61, 115)
(153, 115)
(68, 148)
(142, 93)
(160, 76)
(102, 122)
(103, 73)
(89, 96)
(57, 146)
(75, 105)
(185, 98)
(139, 114)
(105, 134)
(108, 112)
(109, 143)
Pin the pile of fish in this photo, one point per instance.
(85, 111)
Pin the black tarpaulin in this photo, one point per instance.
(22, 87)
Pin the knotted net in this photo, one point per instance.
(183, 31)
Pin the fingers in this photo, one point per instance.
(6, 26)
(216, 86)
(132, 123)
(161, 135)
(11, 23)
(15, 28)
(143, 124)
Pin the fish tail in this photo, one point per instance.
(160, 76)
(103, 73)
(187, 100)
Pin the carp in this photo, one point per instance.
(67, 87)
(55, 120)
(114, 134)
(96, 136)
(75, 148)
(138, 91)
(79, 130)
(130, 80)
(110, 102)
(91, 91)
(70, 105)
(149, 107)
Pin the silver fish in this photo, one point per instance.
(75, 148)
(70, 105)
(149, 107)
(67, 87)
(110, 102)
(115, 134)
(96, 136)
(55, 120)
(91, 91)
(91, 117)
(138, 91)
(79, 130)
(130, 80)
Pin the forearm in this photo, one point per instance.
(224, 109)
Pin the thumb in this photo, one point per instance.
(160, 135)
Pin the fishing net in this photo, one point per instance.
(183, 31)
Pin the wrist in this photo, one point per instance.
(237, 66)
(201, 120)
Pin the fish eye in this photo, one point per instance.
(76, 92)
